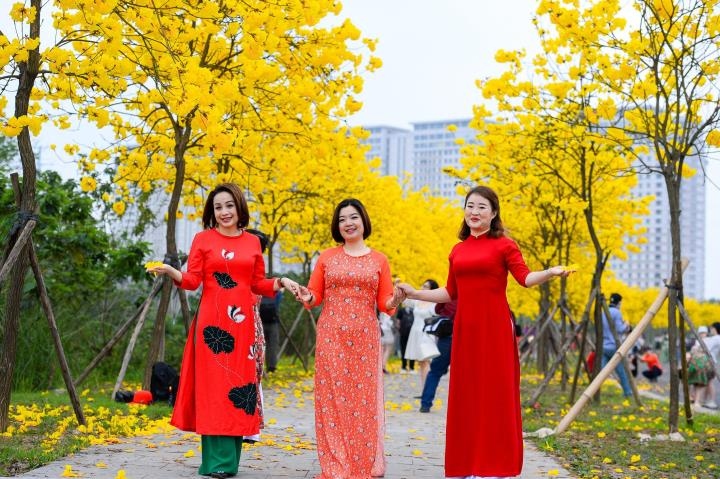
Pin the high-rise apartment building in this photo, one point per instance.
(394, 147)
(651, 266)
(433, 147)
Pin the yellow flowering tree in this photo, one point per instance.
(197, 93)
(548, 151)
(658, 67)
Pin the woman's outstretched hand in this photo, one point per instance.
(166, 269)
(407, 290)
(304, 294)
(398, 297)
(290, 285)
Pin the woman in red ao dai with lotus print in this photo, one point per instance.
(350, 280)
(219, 395)
(484, 428)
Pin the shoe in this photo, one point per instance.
(710, 405)
(424, 409)
(412, 371)
(219, 475)
(403, 371)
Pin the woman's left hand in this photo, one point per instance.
(398, 297)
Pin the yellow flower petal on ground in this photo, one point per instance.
(634, 458)
(121, 474)
(553, 472)
(417, 452)
(68, 472)
(101, 465)
(601, 435)
(699, 458)
(190, 453)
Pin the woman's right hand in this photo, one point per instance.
(407, 289)
(168, 270)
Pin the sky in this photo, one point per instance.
(433, 51)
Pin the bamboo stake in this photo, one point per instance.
(588, 393)
(47, 308)
(131, 347)
(118, 334)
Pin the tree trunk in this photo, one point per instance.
(171, 255)
(675, 283)
(28, 71)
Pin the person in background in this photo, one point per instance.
(701, 370)
(609, 347)
(652, 362)
(484, 423)
(405, 321)
(218, 395)
(439, 366)
(713, 345)
(268, 310)
(352, 282)
(414, 352)
(387, 338)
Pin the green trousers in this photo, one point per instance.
(220, 454)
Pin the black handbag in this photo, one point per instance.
(440, 326)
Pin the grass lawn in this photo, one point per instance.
(603, 442)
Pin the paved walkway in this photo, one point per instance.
(414, 444)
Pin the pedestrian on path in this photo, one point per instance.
(484, 426)
(219, 394)
(440, 365)
(351, 280)
(609, 347)
(415, 350)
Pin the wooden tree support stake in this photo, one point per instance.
(588, 393)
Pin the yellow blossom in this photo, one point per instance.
(119, 208)
(68, 472)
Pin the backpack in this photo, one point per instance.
(164, 383)
(440, 326)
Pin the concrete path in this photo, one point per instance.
(414, 444)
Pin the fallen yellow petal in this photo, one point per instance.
(68, 472)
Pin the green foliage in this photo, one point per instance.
(94, 277)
